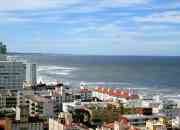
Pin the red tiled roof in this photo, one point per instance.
(85, 90)
(116, 93)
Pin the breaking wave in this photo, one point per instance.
(48, 73)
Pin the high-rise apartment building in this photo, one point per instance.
(31, 78)
(12, 74)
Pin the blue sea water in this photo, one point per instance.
(158, 73)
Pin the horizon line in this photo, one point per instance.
(70, 54)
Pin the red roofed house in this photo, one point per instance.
(85, 93)
(110, 94)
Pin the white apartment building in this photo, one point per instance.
(31, 78)
(40, 106)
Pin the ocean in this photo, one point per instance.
(160, 74)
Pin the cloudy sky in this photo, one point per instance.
(110, 27)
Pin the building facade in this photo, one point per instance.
(40, 106)
(7, 100)
(31, 78)
(12, 74)
(168, 109)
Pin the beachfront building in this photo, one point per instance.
(85, 94)
(31, 78)
(113, 94)
(12, 74)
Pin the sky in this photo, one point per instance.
(98, 27)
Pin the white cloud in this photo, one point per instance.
(7, 5)
(52, 11)
(109, 3)
(101, 5)
(6, 18)
(164, 17)
(11, 17)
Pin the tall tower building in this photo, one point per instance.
(31, 78)
(12, 74)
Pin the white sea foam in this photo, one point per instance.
(60, 73)
(42, 68)
(57, 70)
(44, 71)
(108, 83)
(46, 79)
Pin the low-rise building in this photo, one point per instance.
(85, 93)
(117, 125)
(7, 100)
(139, 119)
(168, 108)
(114, 95)
(64, 122)
(161, 124)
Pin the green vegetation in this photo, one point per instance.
(7, 114)
(81, 116)
(101, 114)
(3, 49)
